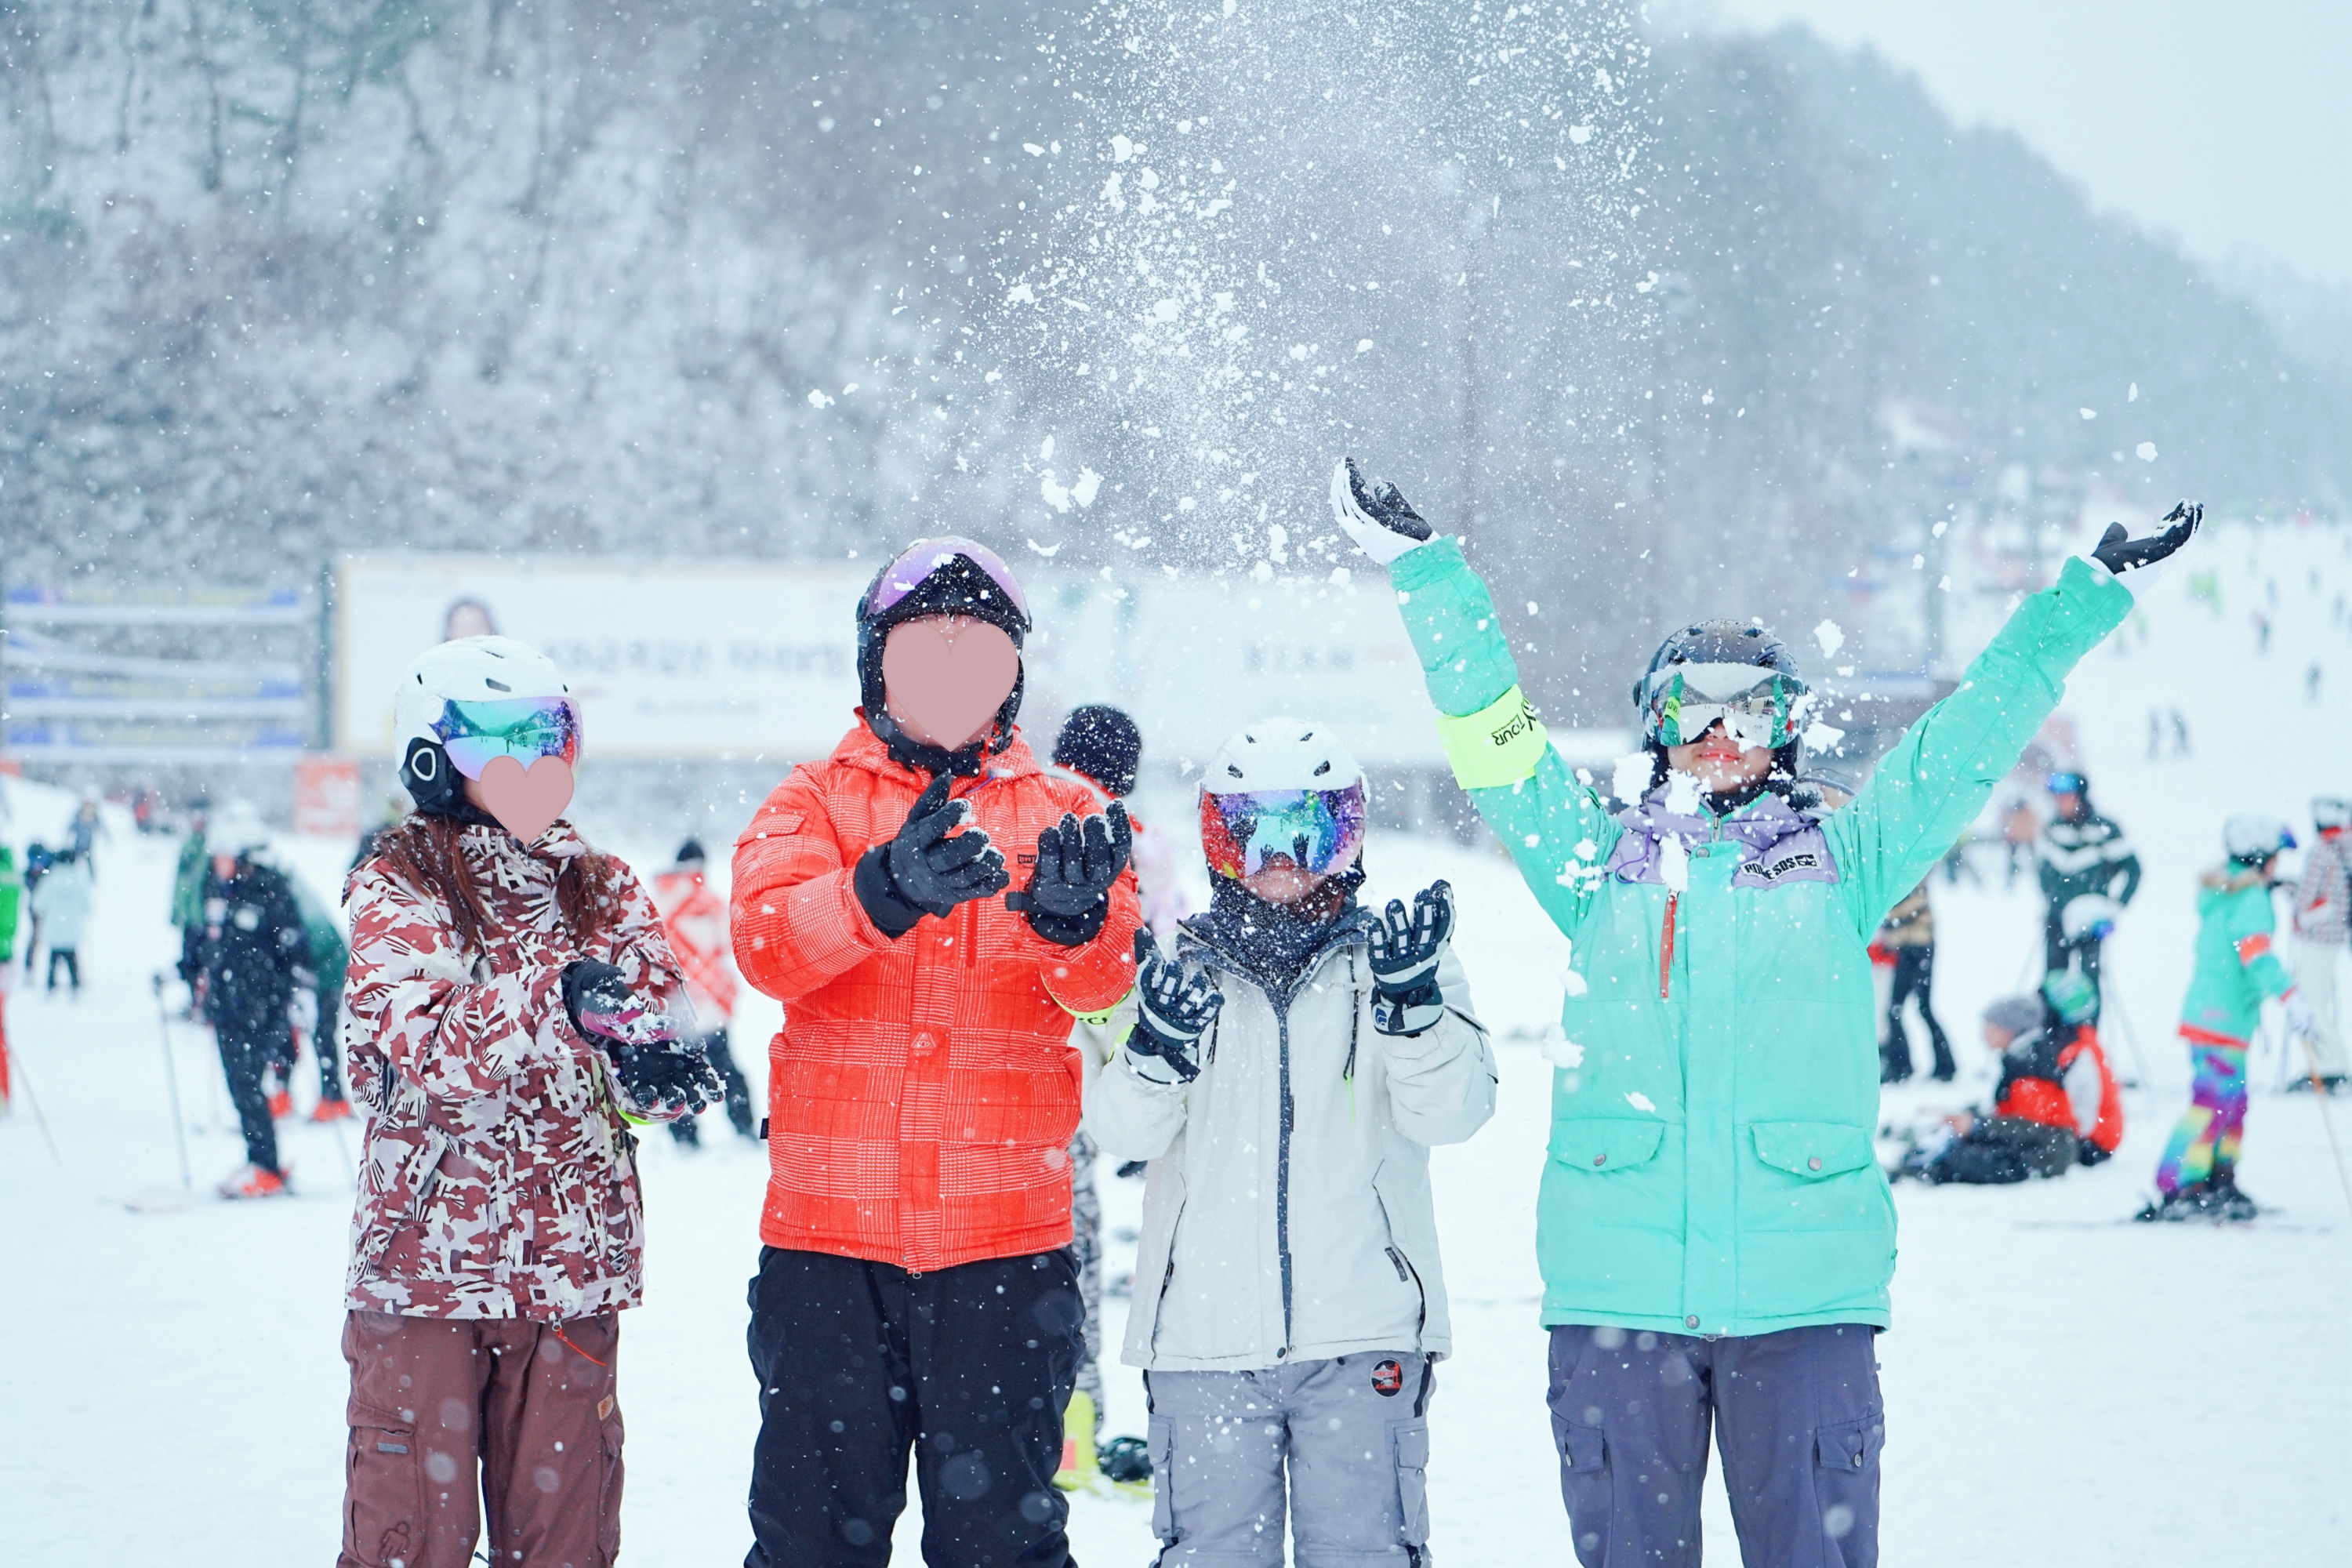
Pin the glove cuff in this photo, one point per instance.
(1069, 930)
(878, 896)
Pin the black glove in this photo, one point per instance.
(2119, 555)
(657, 1073)
(1171, 1008)
(1406, 949)
(922, 871)
(1076, 864)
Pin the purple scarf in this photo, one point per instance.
(1777, 844)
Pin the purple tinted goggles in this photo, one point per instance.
(925, 556)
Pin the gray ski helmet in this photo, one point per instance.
(2330, 811)
(1715, 642)
(2254, 838)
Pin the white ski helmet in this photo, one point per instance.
(1280, 753)
(2089, 917)
(2331, 811)
(237, 830)
(468, 669)
(2252, 838)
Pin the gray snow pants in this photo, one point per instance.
(1354, 1431)
(1796, 1414)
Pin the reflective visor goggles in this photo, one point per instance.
(1319, 830)
(925, 556)
(1757, 707)
(525, 728)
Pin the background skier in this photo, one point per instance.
(514, 1009)
(2236, 968)
(1909, 933)
(2323, 925)
(319, 1006)
(1714, 1234)
(2081, 856)
(694, 920)
(188, 900)
(922, 1094)
(62, 901)
(1287, 1072)
(2043, 1113)
(254, 949)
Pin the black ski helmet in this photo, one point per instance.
(1103, 744)
(1720, 642)
(944, 576)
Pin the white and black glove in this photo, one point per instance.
(2120, 555)
(1173, 1010)
(1406, 952)
(1381, 522)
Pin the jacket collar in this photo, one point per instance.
(862, 748)
(1762, 828)
(492, 849)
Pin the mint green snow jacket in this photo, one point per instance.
(2235, 967)
(1711, 1165)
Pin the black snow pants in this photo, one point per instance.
(2004, 1149)
(244, 1057)
(738, 1092)
(1915, 974)
(971, 1366)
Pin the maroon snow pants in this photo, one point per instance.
(448, 1413)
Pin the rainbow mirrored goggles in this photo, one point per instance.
(1318, 830)
(523, 728)
(1757, 707)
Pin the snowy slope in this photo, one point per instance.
(2061, 1388)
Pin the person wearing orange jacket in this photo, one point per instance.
(694, 920)
(916, 1287)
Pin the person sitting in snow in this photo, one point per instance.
(2043, 1112)
(1713, 1218)
(1287, 1072)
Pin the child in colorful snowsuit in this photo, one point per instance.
(1713, 1230)
(514, 1010)
(1287, 1072)
(2235, 970)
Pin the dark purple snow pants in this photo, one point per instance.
(1797, 1416)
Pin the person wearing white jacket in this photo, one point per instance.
(1286, 1074)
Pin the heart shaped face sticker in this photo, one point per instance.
(526, 803)
(944, 677)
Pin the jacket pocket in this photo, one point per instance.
(608, 1489)
(1585, 1486)
(1606, 1144)
(383, 1490)
(1155, 1270)
(1814, 1149)
(1413, 1480)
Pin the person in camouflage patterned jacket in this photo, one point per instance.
(506, 983)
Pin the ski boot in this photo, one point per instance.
(1125, 1464)
(1894, 1063)
(2226, 1203)
(331, 1111)
(281, 1105)
(253, 1182)
(2194, 1201)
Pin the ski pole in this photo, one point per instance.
(172, 1083)
(2319, 1094)
(25, 1079)
(2131, 1035)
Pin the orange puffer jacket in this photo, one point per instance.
(922, 1092)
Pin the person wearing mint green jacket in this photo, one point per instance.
(1714, 1236)
(2235, 970)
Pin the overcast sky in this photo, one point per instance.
(2225, 124)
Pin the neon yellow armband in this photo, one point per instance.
(1497, 746)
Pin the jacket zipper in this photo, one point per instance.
(1282, 1175)
(1666, 946)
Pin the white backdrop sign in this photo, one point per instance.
(744, 660)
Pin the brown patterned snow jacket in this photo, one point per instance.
(497, 1177)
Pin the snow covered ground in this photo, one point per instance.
(2061, 1387)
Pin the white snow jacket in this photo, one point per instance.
(62, 898)
(1286, 1216)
